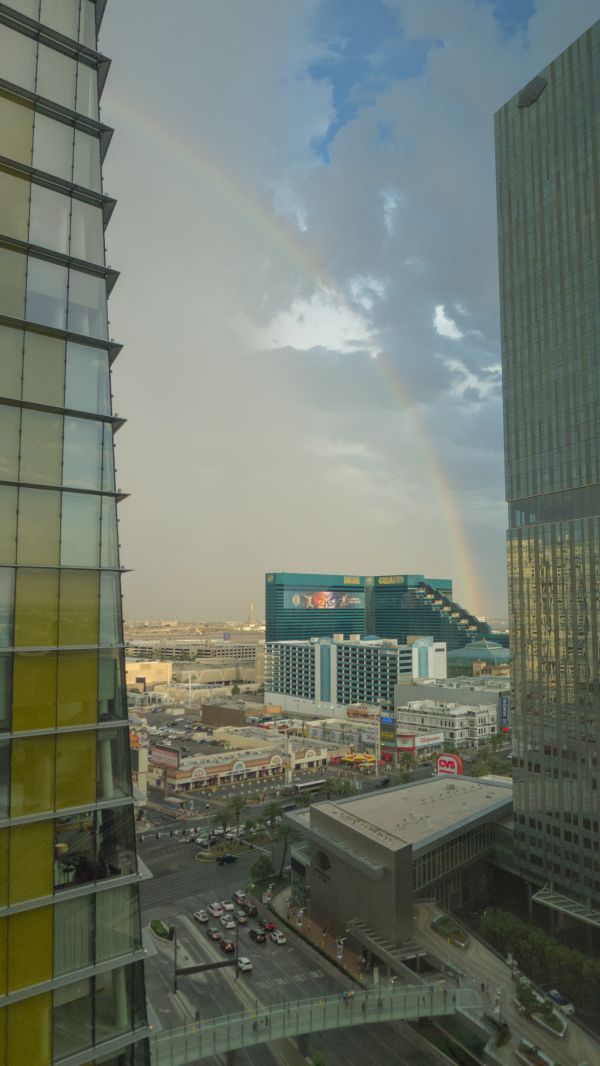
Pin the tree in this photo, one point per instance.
(236, 805)
(272, 813)
(338, 787)
(286, 834)
(224, 817)
(262, 869)
(235, 690)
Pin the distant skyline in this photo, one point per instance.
(306, 234)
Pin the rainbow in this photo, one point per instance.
(295, 247)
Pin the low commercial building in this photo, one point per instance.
(363, 861)
(490, 692)
(325, 675)
(468, 726)
(143, 676)
(171, 773)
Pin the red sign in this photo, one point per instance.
(449, 764)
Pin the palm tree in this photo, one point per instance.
(224, 816)
(272, 813)
(287, 834)
(236, 805)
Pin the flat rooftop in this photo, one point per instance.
(412, 814)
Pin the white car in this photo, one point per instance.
(277, 937)
(201, 916)
(227, 922)
(244, 964)
(239, 896)
(227, 905)
(216, 910)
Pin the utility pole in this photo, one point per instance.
(174, 934)
(237, 949)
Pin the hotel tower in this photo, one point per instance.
(71, 956)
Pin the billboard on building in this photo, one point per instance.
(322, 599)
(505, 713)
(449, 764)
(167, 758)
(362, 710)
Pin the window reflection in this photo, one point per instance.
(53, 147)
(49, 218)
(114, 768)
(93, 846)
(46, 293)
(86, 165)
(5, 691)
(110, 609)
(80, 530)
(87, 305)
(82, 453)
(111, 686)
(88, 379)
(87, 232)
(56, 75)
(110, 546)
(7, 598)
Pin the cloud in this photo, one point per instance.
(446, 327)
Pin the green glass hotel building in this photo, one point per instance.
(71, 954)
(548, 186)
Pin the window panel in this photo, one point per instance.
(82, 453)
(36, 611)
(53, 147)
(17, 58)
(41, 447)
(14, 204)
(114, 766)
(44, 370)
(31, 880)
(75, 766)
(11, 363)
(77, 688)
(110, 546)
(8, 523)
(80, 536)
(75, 849)
(13, 269)
(29, 1031)
(72, 1018)
(73, 934)
(34, 691)
(56, 76)
(87, 90)
(7, 603)
(32, 775)
(116, 837)
(62, 17)
(79, 607)
(4, 867)
(50, 217)
(110, 610)
(87, 24)
(9, 443)
(117, 923)
(46, 293)
(88, 379)
(111, 684)
(108, 461)
(39, 528)
(5, 693)
(87, 232)
(4, 778)
(31, 8)
(16, 123)
(87, 305)
(3, 975)
(29, 948)
(87, 170)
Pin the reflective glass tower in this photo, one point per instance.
(548, 185)
(71, 970)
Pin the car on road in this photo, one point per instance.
(213, 933)
(201, 916)
(277, 937)
(227, 946)
(216, 910)
(244, 964)
(227, 905)
(249, 909)
(241, 917)
(258, 936)
(267, 924)
(227, 922)
(224, 860)
(383, 783)
(560, 1001)
(238, 896)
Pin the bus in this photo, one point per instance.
(311, 786)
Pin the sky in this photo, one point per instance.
(308, 299)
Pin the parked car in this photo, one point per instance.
(227, 905)
(249, 909)
(383, 783)
(227, 922)
(258, 936)
(277, 937)
(213, 933)
(227, 946)
(244, 964)
(239, 896)
(201, 916)
(561, 1001)
(241, 917)
(216, 910)
(267, 925)
(224, 860)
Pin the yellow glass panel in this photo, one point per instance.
(75, 769)
(14, 205)
(32, 779)
(44, 369)
(4, 839)
(8, 523)
(16, 123)
(39, 528)
(79, 607)
(3, 956)
(3, 1021)
(30, 1031)
(11, 363)
(13, 268)
(77, 688)
(34, 691)
(31, 861)
(36, 610)
(29, 948)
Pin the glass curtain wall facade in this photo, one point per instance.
(71, 969)
(548, 185)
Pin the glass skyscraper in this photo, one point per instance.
(548, 185)
(71, 969)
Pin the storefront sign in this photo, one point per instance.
(449, 764)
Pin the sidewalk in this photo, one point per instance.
(317, 936)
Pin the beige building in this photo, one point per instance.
(143, 676)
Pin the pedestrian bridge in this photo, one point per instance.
(227, 1032)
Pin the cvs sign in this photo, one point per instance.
(449, 764)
